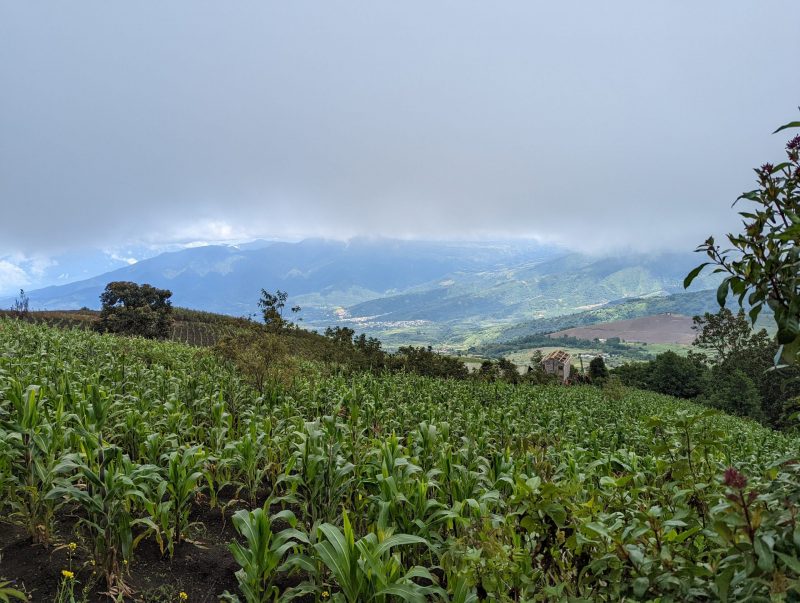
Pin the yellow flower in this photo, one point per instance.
(125, 561)
(325, 594)
(67, 574)
(183, 596)
(72, 546)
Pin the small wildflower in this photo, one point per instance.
(72, 546)
(794, 143)
(125, 561)
(183, 596)
(67, 574)
(325, 594)
(734, 479)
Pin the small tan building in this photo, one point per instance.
(557, 363)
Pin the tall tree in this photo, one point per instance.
(726, 333)
(132, 309)
(272, 306)
(598, 370)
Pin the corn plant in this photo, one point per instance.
(367, 570)
(159, 521)
(105, 487)
(247, 458)
(318, 476)
(33, 460)
(265, 554)
(184, 470)
(7, 592)
(506, 493)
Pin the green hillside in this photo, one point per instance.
(135, 451)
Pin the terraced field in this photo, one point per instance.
(154, 472)
(190, 327)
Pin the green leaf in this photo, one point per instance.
(406, 592)
(556, 512)
(722, 292)
(693, 274)
(792, 563)
(640, 586)
(398, 540)
(723, 583)
(791, 124)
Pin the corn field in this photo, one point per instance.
(385, 488)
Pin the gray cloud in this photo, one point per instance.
(593, 124)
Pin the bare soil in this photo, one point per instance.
(660, 328)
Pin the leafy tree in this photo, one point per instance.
(598, 372)
(340, 335)
(725, 333)
(763, 264)
(668, 373)
(21, 304)
(424, 361)
(272, 306)
(677, 376)
(508, 371)
(488, 371)
(256, 353)
(536, 373)
(734, 392)
(132, 309)
(741, 350)
(634, 374)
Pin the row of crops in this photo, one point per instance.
(198, 333)
(396, 488)
(191, 327)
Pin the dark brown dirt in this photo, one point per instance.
(203, 567)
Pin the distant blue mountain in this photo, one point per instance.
(228, 279)
(384, 286)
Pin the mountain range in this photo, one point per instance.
(400, 291)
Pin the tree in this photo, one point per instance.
(676, 376)
(598, 372)
(725, 333)
(734, 392)
(20, 306)
(508, 370)
(740, 349)
(489, 371)
(132, 309)
(763, 264)
(272, 306)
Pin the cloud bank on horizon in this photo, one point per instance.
(590, 124)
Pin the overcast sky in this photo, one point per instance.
(596, 124)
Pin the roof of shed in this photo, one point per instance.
(559, 355)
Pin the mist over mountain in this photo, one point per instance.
(398, 290)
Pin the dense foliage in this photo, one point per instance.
(763, 263)
(133, 309)
(394, 487)
(730, 368)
